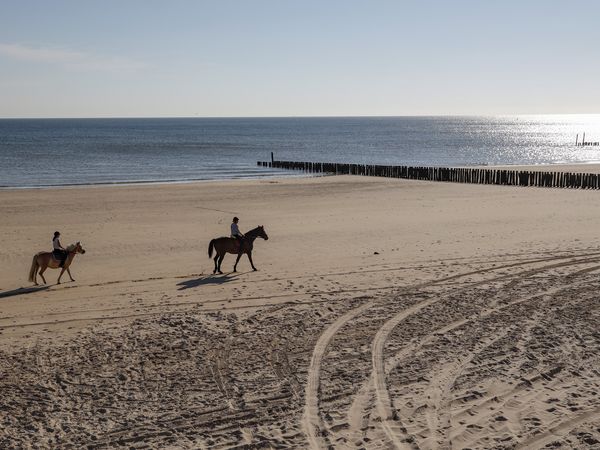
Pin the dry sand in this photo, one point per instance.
(385, 314)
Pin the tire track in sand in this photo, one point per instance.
(311, 421)
(390, 421)
(438, 414)
(443, 384)
(312, 424)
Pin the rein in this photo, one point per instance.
(252, 234)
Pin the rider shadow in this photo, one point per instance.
(203, 281)
(22, 291)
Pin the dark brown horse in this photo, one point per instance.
(225, 245)
(43, 260)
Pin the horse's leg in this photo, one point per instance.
(35, 275)
(216, 258)
(42, 270)
(220, 261)
(61, 272)
(69, 272)
(236, 261)
(251, 263)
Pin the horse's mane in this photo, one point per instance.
(71, 247)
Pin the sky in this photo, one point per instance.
(260, 58)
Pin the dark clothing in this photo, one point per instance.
(240, 240)
(60, 255)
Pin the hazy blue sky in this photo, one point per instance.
(283, 58)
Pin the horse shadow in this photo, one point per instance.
(22, 291)
(207, 280)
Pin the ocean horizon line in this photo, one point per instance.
(401, 116)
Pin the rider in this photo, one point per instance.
(235, 231)
(57, 250)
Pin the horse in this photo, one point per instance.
(225, 245)
(43, 260)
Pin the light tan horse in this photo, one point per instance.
(43, 260)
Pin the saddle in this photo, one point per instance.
(59, 258)
(236, 244)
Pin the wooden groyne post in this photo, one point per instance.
(505, 177)
(583, 142)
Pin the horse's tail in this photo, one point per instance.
(34, 266)
(210, 248)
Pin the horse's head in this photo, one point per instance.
(262, 233)
(76, 248)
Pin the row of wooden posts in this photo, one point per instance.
(449, 174)
(585, 143)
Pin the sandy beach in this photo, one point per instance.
(385, 313)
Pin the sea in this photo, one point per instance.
(37, 153)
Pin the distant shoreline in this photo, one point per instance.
(584, 167)
(278, 175)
